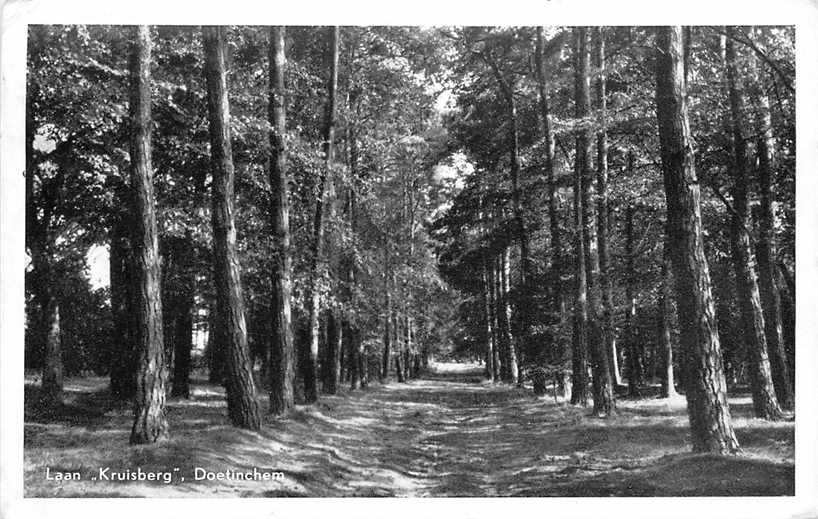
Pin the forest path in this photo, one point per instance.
(450, 433)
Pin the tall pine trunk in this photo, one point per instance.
(507, 91)
(282, 355)
(150, 423)
(765, 403)
(766, 250)
(581, 335)
(607, 322)
(310, 355)
(706, 392)
(557, 296)
(601, 375)
(242, 406)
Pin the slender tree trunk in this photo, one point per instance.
(502, 321)
(183, 324)
(282, 355)
(489, 340)
(581, 335)
(310, 357)
(497, 340)
(387, 337)
(635, 366)
(609, 332)
(706, 393)
(556, 288)
(242, 406)
(507, 90)
(213, 350)
(398, 347)
(665, 307)
(766, 252)
(601, 375)
(150, 423)
(785, 286)
(505, 289)
(765, 402)
(123, 369)
(52, 385)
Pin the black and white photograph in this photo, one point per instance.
(535, 258)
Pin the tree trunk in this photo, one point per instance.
(242, 406)
(150, 423)
(579, 393)
(310, 357)
(665, 308)
(214, 352)
(122, 369)
(387, 330)
(183, 323)
(489, 340)
(765, 402)
(399, 370)
(598, 349)
(494, 306)
(507, 91)
(52, 386)
(785, 286)
(282, 355)
(609, 332)
(556, 288)
(766, 252)
(635, 366)
(711, 430)
(505, 289)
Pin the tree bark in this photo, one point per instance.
(183, 322)
(494, 306)
(282, 354)
(122, 367)
(150, 423)
(556, 289)
(505, 289)
(706, 393)
(387, 325)
(489, 339)
(607, 318)
(310, 356)
(765, 403)
(52, 385)
(601, 375)
(242, 406)
(665, 308)
(766, 250)
(507, 91)
(579, 392)
(635, 365)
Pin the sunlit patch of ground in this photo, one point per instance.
(449, 434)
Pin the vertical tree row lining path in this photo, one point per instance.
(364, 245)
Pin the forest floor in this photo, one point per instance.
(447, 434)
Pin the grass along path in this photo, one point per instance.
(449, 434)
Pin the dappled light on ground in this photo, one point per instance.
(448, 434)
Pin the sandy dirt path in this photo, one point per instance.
(448, 434)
